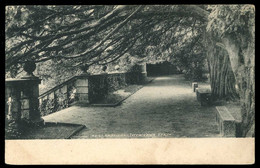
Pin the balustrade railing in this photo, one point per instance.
(63, 95)
(87, 89)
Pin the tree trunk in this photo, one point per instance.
(222, 78)
(243, 66)
(234, 64)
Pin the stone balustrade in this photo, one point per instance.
(24, 107)
(88, 89)
(65, 94)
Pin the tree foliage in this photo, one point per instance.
(89, 34)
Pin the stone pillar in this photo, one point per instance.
(143, 74)
(82, 88)
(30, 93)
(23, 103)
(30, 102)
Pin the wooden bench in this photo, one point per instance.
(227, 123)
(203, 96)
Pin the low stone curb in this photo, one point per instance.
(76, 131)
(69, 124)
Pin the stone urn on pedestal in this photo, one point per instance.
(84, 69)
(30, 94)
(29, 67)
(104, 68)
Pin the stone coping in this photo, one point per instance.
(61, 85)
(224, 113)
(77, 77)
(115, 73)
(203, 90)
(10, 80)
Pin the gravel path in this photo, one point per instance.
(166, 107)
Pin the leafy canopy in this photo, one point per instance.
(78, 35)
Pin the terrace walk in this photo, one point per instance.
(166, 107)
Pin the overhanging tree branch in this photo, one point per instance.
(107, 36)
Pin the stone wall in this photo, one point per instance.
(137, 74)
(101, 85)
(135, 77)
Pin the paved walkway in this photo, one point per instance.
(166, 107)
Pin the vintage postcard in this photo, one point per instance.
(130, 84)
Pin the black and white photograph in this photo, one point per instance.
(98, 72)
